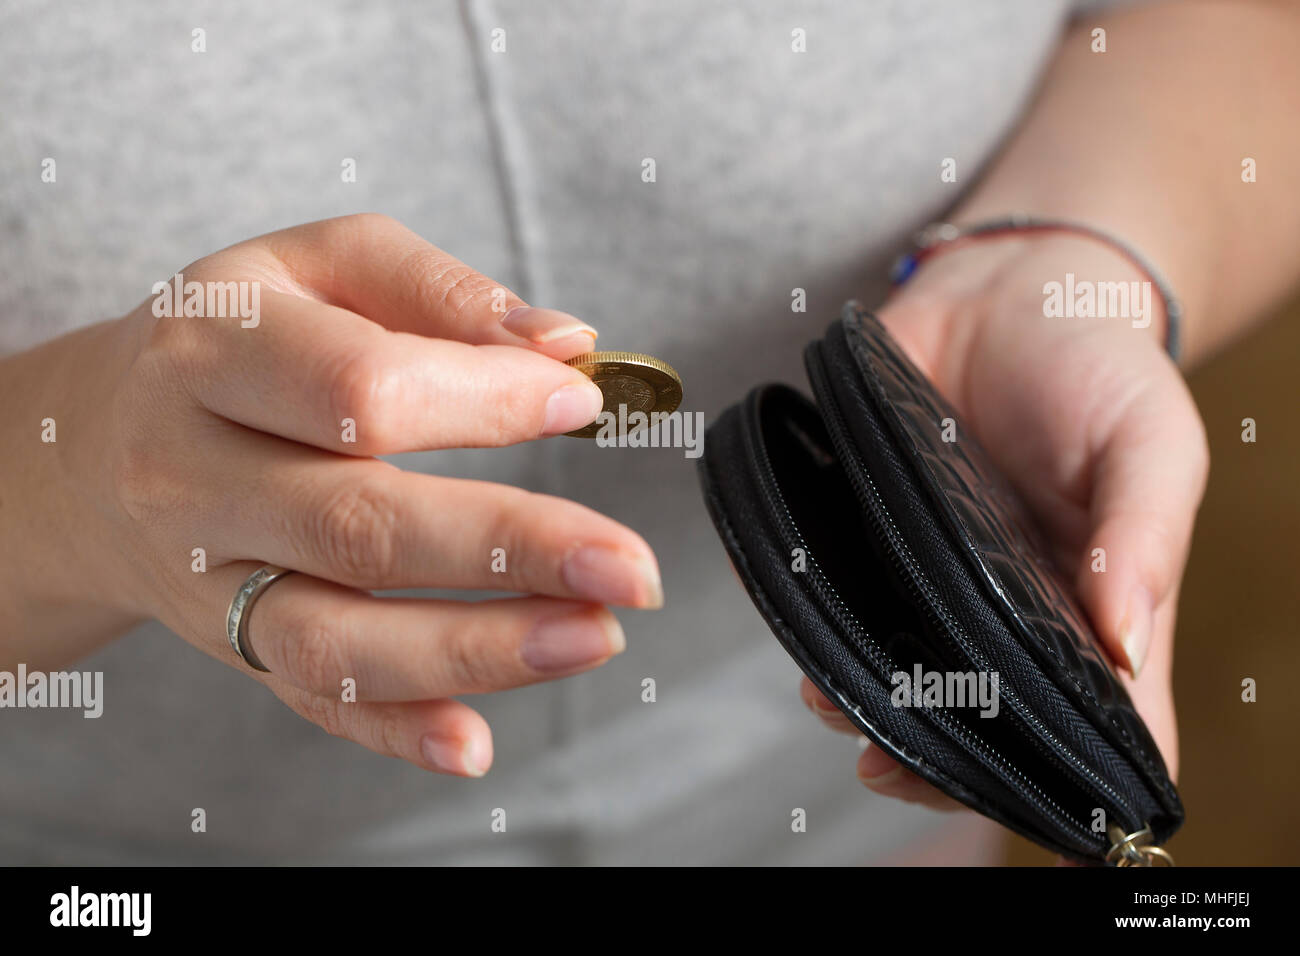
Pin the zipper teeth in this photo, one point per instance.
(962, 644)
(1055, 749)
(850, 623)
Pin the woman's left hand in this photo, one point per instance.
(1092, 424)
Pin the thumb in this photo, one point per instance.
(1148, 478)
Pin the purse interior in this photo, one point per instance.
(844, 550)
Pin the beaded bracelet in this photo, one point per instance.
(941, 237)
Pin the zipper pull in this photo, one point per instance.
(1135, 849)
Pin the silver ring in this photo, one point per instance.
(242, 605)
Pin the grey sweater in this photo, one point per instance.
(775, 170)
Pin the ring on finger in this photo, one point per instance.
(241, 607)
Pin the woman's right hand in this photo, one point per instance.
(175, 434)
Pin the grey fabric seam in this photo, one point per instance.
(507, 153)
(506, 143)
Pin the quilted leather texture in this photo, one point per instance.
(990, 523)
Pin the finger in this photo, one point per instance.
(376, 267)
(884, 775)
(325, 376)
(315, 635)
(444, 736)
(329, 640)
(1152, 690)
(1147, 484)
(370, 525)
(821, 706)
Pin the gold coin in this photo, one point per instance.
(639, 383)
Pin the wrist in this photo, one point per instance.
(1072, 280)
(61, 573)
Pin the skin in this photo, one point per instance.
(176, 434)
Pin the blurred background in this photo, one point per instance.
(1237, 617)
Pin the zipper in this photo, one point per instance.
(883, 524)
(850, 625)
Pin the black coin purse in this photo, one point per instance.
(901, 573)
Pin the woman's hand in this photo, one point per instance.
(1092, 424)
(256, 442)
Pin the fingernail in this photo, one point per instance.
(884, 779)
(478, 757)
(572, 407)
(1135, 631)
(572, 641)
(613, 577)
(820, 705)
(453, 756)
(544, 325)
